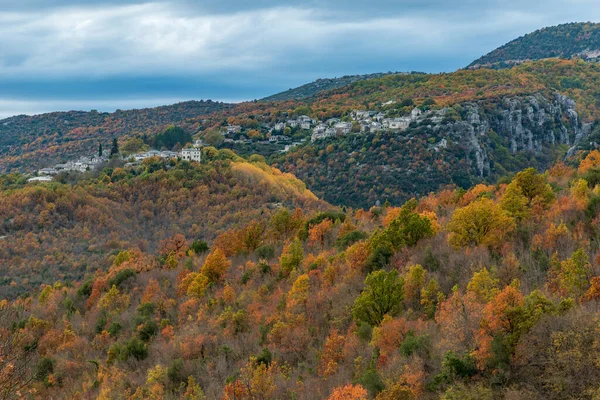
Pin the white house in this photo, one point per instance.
(279, 126)
(139, 156)
(97, 160)
(396, 123)
(279, 138)
(306, 118)
(168, 154)
(415, 113)
(329, 132)
(361, 114)
(321, 128)
(80, 166)
(234, 129)
(192, 154)
(305, 125)
(47, 171)
(375, 126)
(40, 179)
(318, 136)
(343, 127)
(380, 117)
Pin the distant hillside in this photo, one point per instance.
(469, 143)
(321, 85)
(491, 123)
(564, 41)
(30, 142)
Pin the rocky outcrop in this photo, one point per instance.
(524, 124)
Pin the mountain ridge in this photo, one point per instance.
(28, 142)
(322, 85)
(577, 39)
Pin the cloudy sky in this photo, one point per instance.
(103, 54)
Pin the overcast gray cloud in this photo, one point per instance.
(72, 54)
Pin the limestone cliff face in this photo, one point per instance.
(523, 123)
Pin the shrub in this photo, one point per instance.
(266, 252)
(148, 330)
(114, 329)
(85, 290)
(199, 247)
(350, 238)
(175, 372)
(136, 348)
(121, 277)
(44, 368)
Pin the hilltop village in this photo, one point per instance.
(286, 132)
(87, 163)
(357, 121)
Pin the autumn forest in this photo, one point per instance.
(479, 293)
(456, 256)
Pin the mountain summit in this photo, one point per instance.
(580, 40)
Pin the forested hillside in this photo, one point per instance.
(386, 237)
(320, 85)
(484, 124)
(490, 292)
(564, 41)
(473, 142)
(66, 231)
(28, 143)
(574, 78)
(487, 123)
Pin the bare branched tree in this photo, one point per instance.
(17, 353)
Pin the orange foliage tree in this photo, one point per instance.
(349, 392)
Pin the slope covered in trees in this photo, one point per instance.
(485, 293)
(28, 143)
(321, 85)
(490, 123)
(573, 78)
(65, 231)
(564, 41)
(472, 142)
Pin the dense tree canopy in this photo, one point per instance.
(484, 293)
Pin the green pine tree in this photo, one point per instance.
(115, 147)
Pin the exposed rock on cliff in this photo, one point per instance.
(523, 124)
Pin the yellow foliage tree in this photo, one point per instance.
(198, 284)
(414, 282)
(193, 390)
(397, 391)
(114, 301)
(299, 293)
(215, 266)
(479, 223)
(483, 286)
